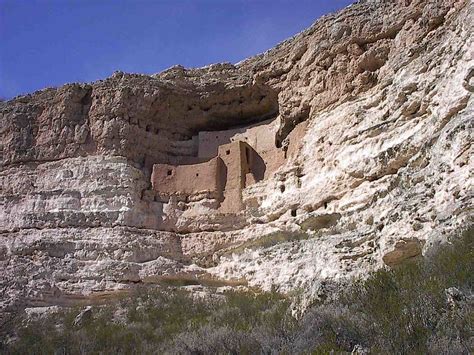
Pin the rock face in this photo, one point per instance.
(341, 150)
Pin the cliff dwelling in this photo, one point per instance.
(344, 150)
(226, 162)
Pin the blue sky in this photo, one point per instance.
(46, 43)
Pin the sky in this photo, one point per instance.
(47, 43)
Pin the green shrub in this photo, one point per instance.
(421, 307)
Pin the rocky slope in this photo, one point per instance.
(380, 171)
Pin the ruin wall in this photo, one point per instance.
(189, 179)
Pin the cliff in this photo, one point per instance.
(342, 150)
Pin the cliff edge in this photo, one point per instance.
(342, 150)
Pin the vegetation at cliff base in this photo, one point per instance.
(421, 307)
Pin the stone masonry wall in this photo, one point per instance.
(189, 179)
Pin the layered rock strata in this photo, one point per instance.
(361, 130)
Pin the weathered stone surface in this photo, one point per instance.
(361, 128)
(403, 250)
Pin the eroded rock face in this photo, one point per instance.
(363, 124)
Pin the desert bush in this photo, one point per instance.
(421, 307)
(211, 340)
(331, 326)
(406, 305)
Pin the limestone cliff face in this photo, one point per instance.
(354, 152)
